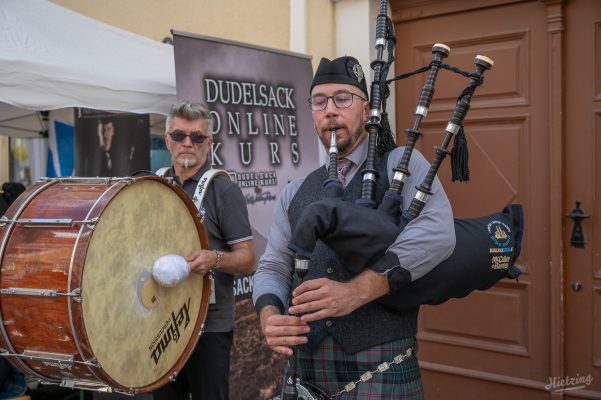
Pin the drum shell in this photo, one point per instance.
(53, 258)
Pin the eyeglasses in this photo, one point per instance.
(340, 99)
(180, 136)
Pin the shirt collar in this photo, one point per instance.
(196, 177)
(359, 155)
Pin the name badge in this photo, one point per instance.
(212, 298)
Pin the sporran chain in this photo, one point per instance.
(367, 376)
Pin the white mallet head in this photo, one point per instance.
(170, 270)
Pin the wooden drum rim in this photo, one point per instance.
(20, 205)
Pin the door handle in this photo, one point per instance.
(577, 215)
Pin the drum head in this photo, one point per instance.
(136, 329)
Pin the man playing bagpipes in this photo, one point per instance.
(341, 331)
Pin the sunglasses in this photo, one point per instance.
(180, 136)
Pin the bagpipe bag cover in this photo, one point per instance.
(485, 251)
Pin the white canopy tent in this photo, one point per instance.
(52, 58)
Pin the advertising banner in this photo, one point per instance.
(264, 137)
(111, 144)
(60, 149)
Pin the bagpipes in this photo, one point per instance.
(361, 232)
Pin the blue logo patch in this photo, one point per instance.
(500, 234)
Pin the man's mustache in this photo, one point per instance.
(331, 126)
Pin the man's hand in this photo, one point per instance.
(240, 260)
(323, 298)
(201, 261)
(282, 331)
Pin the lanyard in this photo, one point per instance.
(203, 183)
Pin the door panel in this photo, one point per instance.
(496, 343)
(583, 183)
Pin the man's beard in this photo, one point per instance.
(187, 162)
(349, 141)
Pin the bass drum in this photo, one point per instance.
(78, 304)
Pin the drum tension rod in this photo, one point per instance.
(75, 293)
(87, 385)
(47, 221)
(64, 359)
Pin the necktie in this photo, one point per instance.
(344, 165)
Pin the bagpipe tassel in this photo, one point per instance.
(386, 141)
(460, 158)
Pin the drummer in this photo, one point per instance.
(188, 138)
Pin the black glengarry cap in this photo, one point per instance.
(345, 70)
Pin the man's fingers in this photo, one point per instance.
(308, 307)
(284, 320)
(321, 314)
(281, 331)
(284, 344)
(286, 341)
(192, 256)
(287, 351)
(195, 264)
(197, 268)
(309, 296)
(309, 285)
(284, 326)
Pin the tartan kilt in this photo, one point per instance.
(330, 369)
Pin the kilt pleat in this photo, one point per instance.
(330, 369)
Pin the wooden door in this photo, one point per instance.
(495, 344)
(582, 378)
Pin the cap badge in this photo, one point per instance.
(358, 72)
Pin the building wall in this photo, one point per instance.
(4, 175)
(321, 30)
(260, 22)
(263, 22)
(329, 28)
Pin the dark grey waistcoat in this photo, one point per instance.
(373, 323)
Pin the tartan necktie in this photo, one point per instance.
(344, 166)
